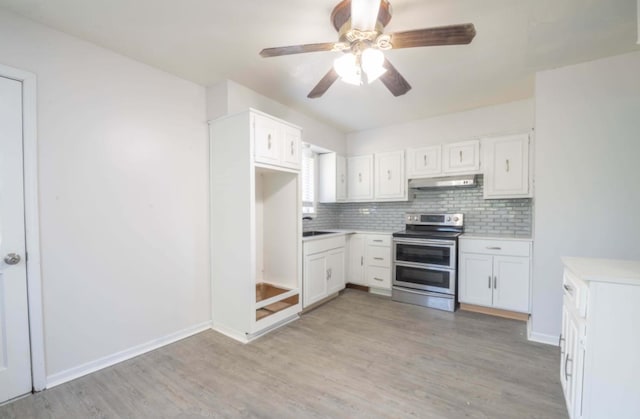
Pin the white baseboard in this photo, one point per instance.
(230, 333)
(541, 337)
(109, 360)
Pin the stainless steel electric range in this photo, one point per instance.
(425, 260)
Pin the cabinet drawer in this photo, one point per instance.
(496, 247)
(576, 292)
(379, 256)
(322, 245)
(379, 240)
(379, 277)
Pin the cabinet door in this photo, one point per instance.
(569, 370)
(390, 180)
(341, 178)
(476, 279)
(356, 260)
(360, 177)
(511, 283)
(266, 135)
(291, 146)
(335, 268)
(506, 166)
(424, 162)
(378, 277)
(461, 157)
(315, 278)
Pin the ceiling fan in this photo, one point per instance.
(360, 25)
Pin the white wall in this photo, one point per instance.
(123, 196)
(587, 175)
(491, 120)
(229, 97)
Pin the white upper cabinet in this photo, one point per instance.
(390, 180)
(506, 167)
(276, 142)
(424, 162)
(360, 178)
(461, 158)
(332, 178)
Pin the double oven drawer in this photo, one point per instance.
(422, 264)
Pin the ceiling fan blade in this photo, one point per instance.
(443, 35)
(297, 49)
(394, 81)
(364, 14)
(324, 84)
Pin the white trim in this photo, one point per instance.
(230, 333)
(553, 340)
(32, 223)
(109, 360)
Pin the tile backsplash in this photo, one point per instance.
(491, 216)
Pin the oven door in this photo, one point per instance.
(436, 253)
(425, 278)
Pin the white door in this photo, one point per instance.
(461, 157)
(315, 277)
(356, 260)
(341, 174)
(335, 263)
(360, 183)
(511, 283)
(390, 177)
(292, 141)
(506, 164)
(425, 161)
(266, 134)
(476, 279)
(15, 359)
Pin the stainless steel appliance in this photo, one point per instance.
(425, 260)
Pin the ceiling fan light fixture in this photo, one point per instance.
(373, 63)
(364, 14)
(348, 69)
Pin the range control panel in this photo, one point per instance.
(435, 219)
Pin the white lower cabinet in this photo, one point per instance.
(599, 345)
(370, 261)
(324, 268)
(495, 273)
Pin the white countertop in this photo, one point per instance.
(496, 237)
(339, 232)
(605, 270)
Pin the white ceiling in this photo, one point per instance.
(207, 41)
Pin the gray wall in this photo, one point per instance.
(494, 216)
(587, 193)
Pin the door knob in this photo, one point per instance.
(12, 259)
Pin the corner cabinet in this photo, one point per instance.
(599, 345)
(332, 179)
(370, 262)
(506, 167)
(256, 231)
(390, 182)
(495, 273)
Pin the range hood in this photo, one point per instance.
(443, 182)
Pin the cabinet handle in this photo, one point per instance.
(269, 142)
(341, 178)
(378, 279)
(389, 174)
(566, 362)
(328, 274)
(425, 159)
(378, 241)
(292, 151)
(494, 248)
(378, 258)
(361, 260)
(507, 165)
(495, 282)
(460, 156)
(560, 342)
(489, 283)
(568, 288)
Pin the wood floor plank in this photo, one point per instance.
(358, 356)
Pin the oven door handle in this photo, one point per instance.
(436, 243)
(429, 293)
(424, 266)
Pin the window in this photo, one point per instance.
(308, 182)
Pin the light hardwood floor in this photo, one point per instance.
(357, 356)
